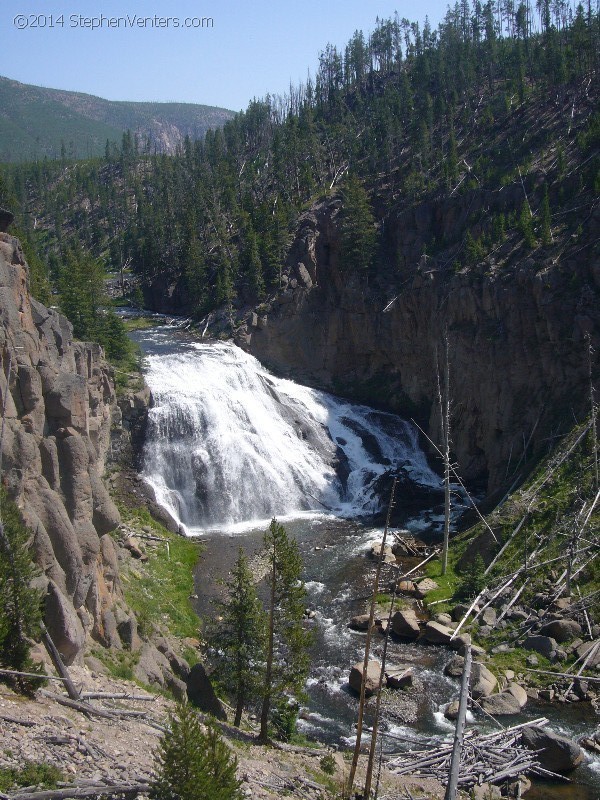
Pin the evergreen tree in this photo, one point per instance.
(193, 764)
(20, 613)
(545, 220)
(287, 659)
(240, 639)
(357, 228)
(526, 226)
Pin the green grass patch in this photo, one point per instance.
(159, 590)
(447, 584)
(31, 773)
(140, 323)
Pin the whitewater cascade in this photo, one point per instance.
(228, 443)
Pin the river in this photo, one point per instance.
(229, 446)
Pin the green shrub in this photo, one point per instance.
(193, 763)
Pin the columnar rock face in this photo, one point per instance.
(517, 333)
(59, 403)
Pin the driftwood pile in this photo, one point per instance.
(488, 758)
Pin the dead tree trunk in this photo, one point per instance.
(594, 413)
(444, 405)
(361, 702)
(72, 690)
(452, 786)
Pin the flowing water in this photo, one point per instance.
(229, 446)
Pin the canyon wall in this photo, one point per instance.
(58, 396)
(517, 335)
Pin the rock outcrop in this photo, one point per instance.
(59, 399)
(517, 333)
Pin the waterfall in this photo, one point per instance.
(228, 443)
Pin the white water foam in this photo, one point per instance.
(230, 446)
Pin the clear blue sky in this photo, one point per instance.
(255, 47)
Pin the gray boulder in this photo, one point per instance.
(518, 692)
(563, 630)
(585, 648)
(558, 753)
(437, 634)
(360, 622)
(425, 586)
(201, 693)
(372, 680)
(64, 626)
(499, 705)
(152, 666)
(406, 624)
(544, 645)
(455, 667)
(128, 632)
(400, 678)
(483, 682)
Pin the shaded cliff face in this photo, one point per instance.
(517, 338)
(57, 426)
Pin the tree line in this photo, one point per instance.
(386, 120)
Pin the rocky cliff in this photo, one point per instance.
(59, 397)
(516, 326)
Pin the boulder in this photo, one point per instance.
(111, 632)
(201, 693)
(585, 648)
(425, 586)
(129, 633)
(482, 681)
(406, 624)
(486, 791)
(360, 622)
(557, 753)
(460, 610)
(544, 645)
(500, 705)
(455, 667)
(451, 710)
(563, 630)
(177, 687)
(436, 633)
(518, 693)
(152, 666)
(64, 626)
(400, 678)
(388, 555)
(445, 619)
(488, 616)
(460, 642)
(177, 663)
(406, 587)
(372, 680)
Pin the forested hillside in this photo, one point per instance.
(499, 96)
(37, 123)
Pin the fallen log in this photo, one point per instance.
(26, 723)
(99, 790)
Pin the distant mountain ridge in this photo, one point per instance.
(37, 122)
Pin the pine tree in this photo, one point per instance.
(357, 229)
(20, 613)
(193, 764)
(287, 640)
(545, 220)
(240, 638)
(526, 226)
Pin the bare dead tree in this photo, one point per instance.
(363, 683)
(444, 409)
(594, 411)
